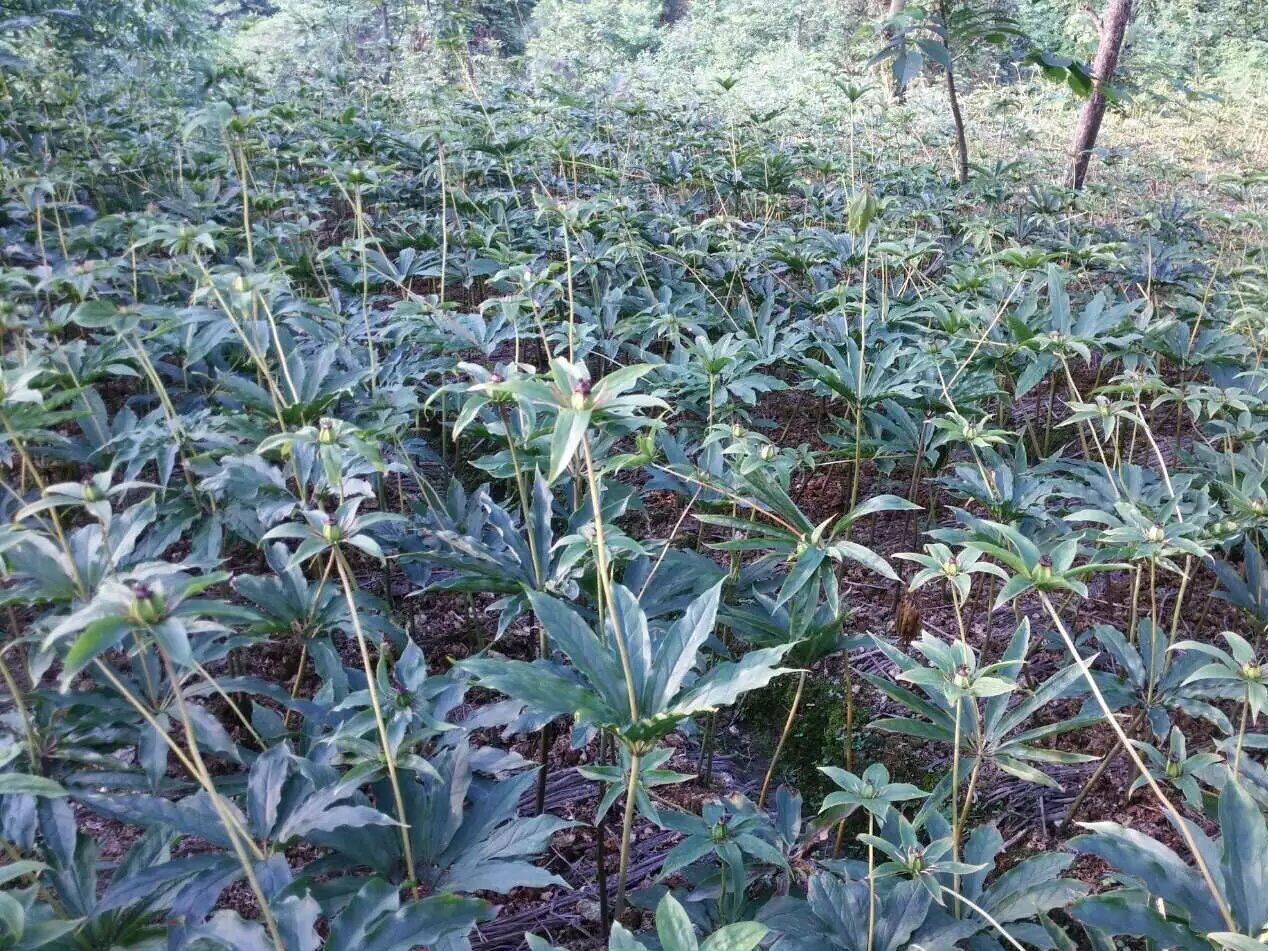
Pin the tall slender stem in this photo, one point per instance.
(783, 738)
(631, 690)
(1105, 763)
(601, 873)
(627, 827)
(240, 154)
(605, 580)
(24, 713)
(365, 290)
(239, 839)
(955, 793)
(871, 881)
(345, 576)
(1241, 735)
(1108, 715)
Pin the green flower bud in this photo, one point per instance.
(148, 606)
(863, 209)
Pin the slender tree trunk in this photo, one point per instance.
(671, 11)
(961, 140)
(1111, 27)
(387, 40)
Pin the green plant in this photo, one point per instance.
(675, 932)
(614, 685)
(1151, 869)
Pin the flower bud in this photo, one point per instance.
(148, 606)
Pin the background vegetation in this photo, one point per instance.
(689, 474)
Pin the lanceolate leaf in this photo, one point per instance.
(1245, 864)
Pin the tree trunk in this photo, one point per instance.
(386, 20)
(671, 11)
(1112, 28)
(961, 140)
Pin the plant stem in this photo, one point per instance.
(544, 770)
(955, 893)
(24, 713)
(783, 738)
(1105, 763)
(345, 576)
(848, 686)
(1125, 743)
(605, 587)
(871, 881)
(955, 793)
(192, 760)
(605, 581)
(704, 762)
(299, 676)
(627, 827)
(1241, 736)
(601, 874)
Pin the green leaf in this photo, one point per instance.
(96, 314)
(865, 557)
(684, 853)
(907, 66)
(595, 661)
(1236, 942)
(426, 922)
(570, 429)
(724, 682)
(935, 51)
(12, 920)
(743, 936)
(808, 563)
(95, 639)
(621, 940)
(877, 504)
(1153, 864)
(1245, 862)
(13, 784)
(1014, 588)
(538, 684)
(17, 869)
(1128, 913)
(673, 927)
